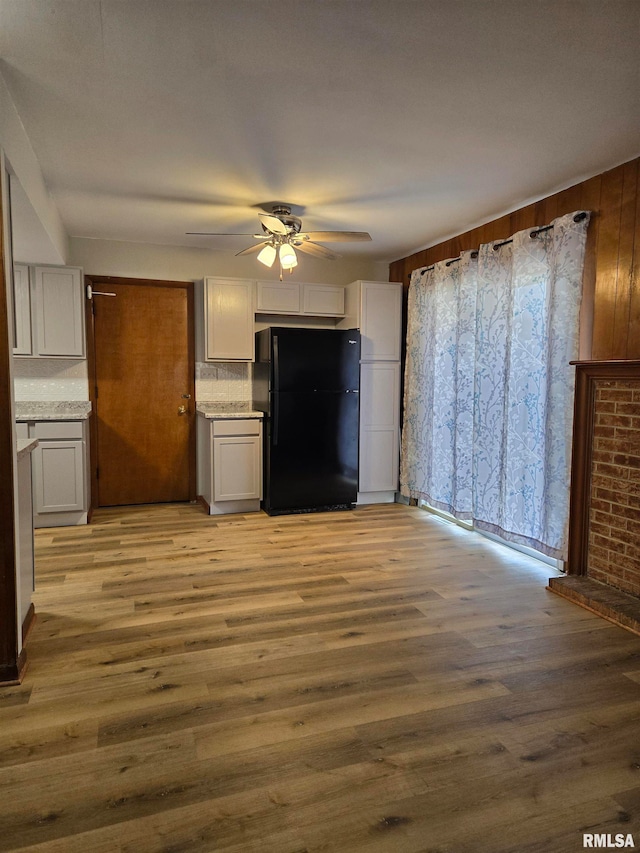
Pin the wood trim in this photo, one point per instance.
(10, 666)
(587, 373)
(13, 674)
(580, 475)
(203, 502)
(97, 282)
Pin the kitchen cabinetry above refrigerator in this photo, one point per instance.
(226, 310)
(48, 308)
(300, 298)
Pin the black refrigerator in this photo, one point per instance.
(307, 381)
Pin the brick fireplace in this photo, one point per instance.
(603, 569)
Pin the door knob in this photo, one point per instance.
(182, 410)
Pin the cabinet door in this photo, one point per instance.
(59, 301)
(21, 310)
(237, 469)
(379, 426)
(323, 300)
(25, 544)
(381, 320)
(58, 476)
(229, 320)
(277, 297)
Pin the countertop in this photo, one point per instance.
(227, 411)
(26, 445)
(45, 410)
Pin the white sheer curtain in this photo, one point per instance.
(488, 387)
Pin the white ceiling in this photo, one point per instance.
(411, 120)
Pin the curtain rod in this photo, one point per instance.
(577, 218)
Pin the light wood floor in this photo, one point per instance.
(366, 682)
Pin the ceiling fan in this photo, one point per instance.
(282, 234)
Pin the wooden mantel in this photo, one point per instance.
(604, 533)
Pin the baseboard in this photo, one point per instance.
(60, 519)
(203, 502)
(385, 497)
(12, 675)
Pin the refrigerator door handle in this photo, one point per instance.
(276, 364)
(276, 419)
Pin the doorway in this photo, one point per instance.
(142, 389)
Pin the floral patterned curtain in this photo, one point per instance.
(488, 387)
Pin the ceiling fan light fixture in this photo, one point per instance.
(267, 255)
(288, 257)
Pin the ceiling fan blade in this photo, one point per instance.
(250, 250)
(216, 234)
(336, 236)
(316, 250)
(273, 224)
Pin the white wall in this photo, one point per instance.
(181, 263)
(24, 164)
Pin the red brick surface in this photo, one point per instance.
(614, 521)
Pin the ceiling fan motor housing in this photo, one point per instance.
(291, 222)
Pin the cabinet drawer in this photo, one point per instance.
(237, 426)
(22, 430)
(56, 429)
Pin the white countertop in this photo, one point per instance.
(226, 411)
(26, 445)
(46, 410)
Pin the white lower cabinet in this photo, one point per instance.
(25, 537)
(60, 473)
(229, 464)
(58, 476)
(236, 468)
(379, 431)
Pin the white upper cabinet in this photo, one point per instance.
(278, 297)
(323, 300)
(307, 299)
(21, 310)
(375, 307)
(229, 320)
(381, 321)
(48, 307)
(59, 311)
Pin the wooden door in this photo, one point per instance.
(144, 377)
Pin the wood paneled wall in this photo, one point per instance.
(613, 252)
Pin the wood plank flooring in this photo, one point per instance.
(375, 681)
